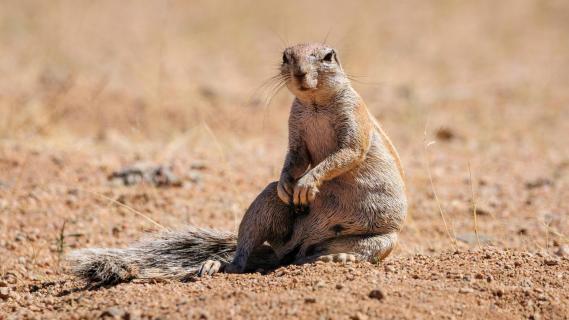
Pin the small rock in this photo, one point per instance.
(376, 294)
(539, 182)
(113, 312)
(3, 284)
(482, 211)
(310, 300)
(4, 293)
(445, 134)
(535, 316)
(195, 177)
(339, 286)
(159, 176)
(526, 283)
(498, 292)
(389, 268)
(359, 316)
(465, 290)
(563, 251)
(320, 284)
(198, 165)
(11, 278)
(523, 231)
(551, 261)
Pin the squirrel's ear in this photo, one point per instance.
(337, 60)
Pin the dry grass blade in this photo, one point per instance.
(473, 204)
(120, 204)
(441, 210)
(227, 167)
(60, 241)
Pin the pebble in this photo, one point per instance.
(198, 165)
(4, 293)
(320, 284)
(310, 300)
(359, 316)
(498, 292)
(482, 211)
(339, 286)
(535, 316)
(279, 273)
(389, 268)
(114, 312)
(376, 294)
(466, 290)
(563, 251)
(551, 261)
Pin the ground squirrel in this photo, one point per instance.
(340, 196)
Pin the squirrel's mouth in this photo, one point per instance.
(307, 85)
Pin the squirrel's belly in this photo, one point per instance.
(319, 137)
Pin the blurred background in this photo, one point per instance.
(89, 86)
(156, 69)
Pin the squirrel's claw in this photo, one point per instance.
(305, 190)
(209, 267)
(338, 257)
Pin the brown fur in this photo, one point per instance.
(339, 163)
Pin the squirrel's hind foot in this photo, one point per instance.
(338, 257)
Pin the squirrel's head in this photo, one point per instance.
(312, 70)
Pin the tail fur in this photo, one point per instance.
(167, 255)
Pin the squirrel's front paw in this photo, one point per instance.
(284, 191)
(305, 190)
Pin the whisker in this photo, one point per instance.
(270, 97)
(267, 84)
(356, 78)
(327, 34)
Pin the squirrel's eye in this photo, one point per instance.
(328, 57)
(285, 58)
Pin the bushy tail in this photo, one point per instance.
(167, 255)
